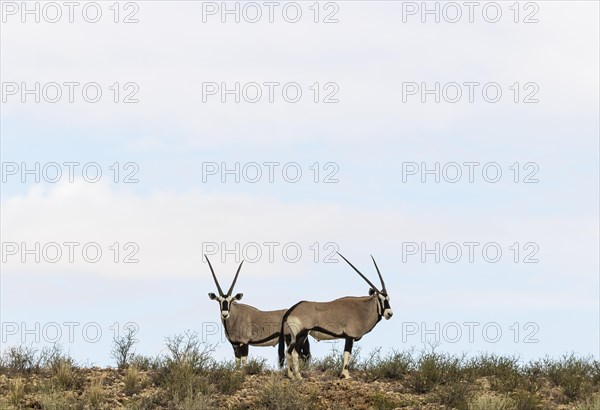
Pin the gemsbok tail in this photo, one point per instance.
(282, 335)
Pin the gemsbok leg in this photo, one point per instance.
(347, 355)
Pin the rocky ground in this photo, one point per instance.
(188, 377)
(96, 388)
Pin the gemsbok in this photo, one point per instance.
(245, 325)
(348, 318)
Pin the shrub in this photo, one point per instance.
(55, 400)
(432, 369)
(453, 395)
(525, 400)
(504, 372)
(333, 361)
(491, 403)
(396, 365)
(282, 394)
(20, 359)
(181, 380)
(122, 347)
(144, 362)
(381, 402)
(255, 366)
(183, 370)
(591, 403)
(195, 402)
(226, 377)
(65, 374)
(95, 393)
(188, 349)
(16, 392)
(574, 375)
(132, 380)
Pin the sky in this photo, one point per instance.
(456, 144)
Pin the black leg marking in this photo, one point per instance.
(291, 347)
(347, 348)
(237, 351)
(348, 345)
(300, 339)
(244, 350)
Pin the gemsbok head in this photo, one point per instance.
(348, 318)
(245, 325)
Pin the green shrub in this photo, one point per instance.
(226, 377)
(503, 372)
(16, 391)
(453, 395)
(281, 394)
(65, 374)
(381, 402)
(95, 393)
(132, 380)
(188, 349)
(396, 365)
(183, 371)
(255, 366)
(432, 369)
(142, 362)
(591, 403)
(491, 403)
(574, 375)
(20, 360)
(525, 400)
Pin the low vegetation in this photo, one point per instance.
(187, 377)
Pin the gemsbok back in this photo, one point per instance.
(348, 318)
(245, 325)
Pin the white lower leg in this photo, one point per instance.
(296, 365)
(345, 373)
(288, 359)
(244, 360)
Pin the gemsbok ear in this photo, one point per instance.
(239, 296)
(212, 296)
(371, 292)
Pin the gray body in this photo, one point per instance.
(248, 325)
(336, 319)
(348, 318)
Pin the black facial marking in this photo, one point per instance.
(225, 305)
